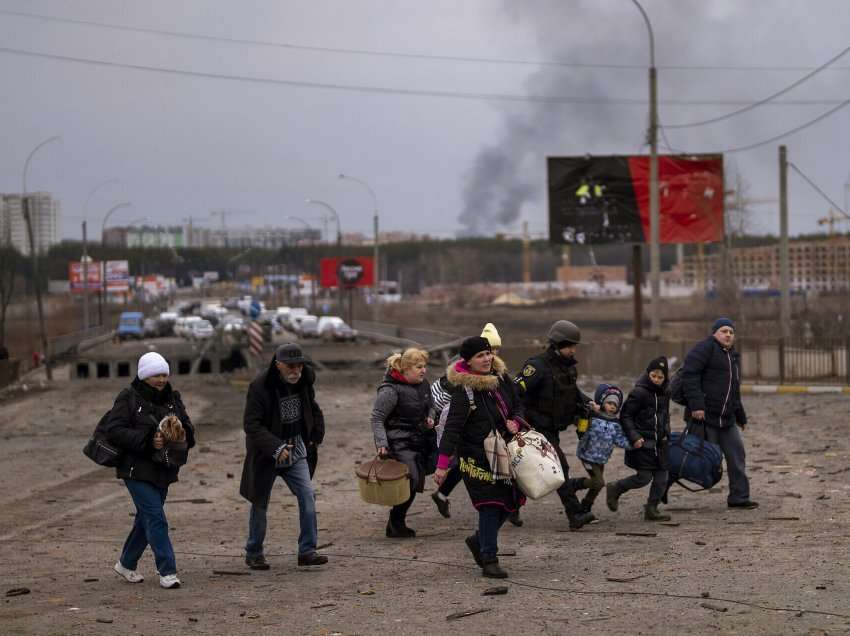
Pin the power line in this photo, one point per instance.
(761, 102)
(398, 54)
(819, 191)
(545, 99)
(787, 133)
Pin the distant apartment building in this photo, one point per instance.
(822, 265)
(193, 236)
(115, 236)
(245, 237)
(155, 236)
(44, 214)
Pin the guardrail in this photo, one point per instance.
(78, 340)
(412, 335)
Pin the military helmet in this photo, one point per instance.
(564, 331)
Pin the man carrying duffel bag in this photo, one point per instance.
(711, 386)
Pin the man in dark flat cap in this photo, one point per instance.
(282, 421)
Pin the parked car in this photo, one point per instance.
(233, 325)
(150, 328)
(308, 327)
(131, 325)
(201, 330)
(335, 328)
(281, 315)
(165, 323)
(183, 326)
(290, 321)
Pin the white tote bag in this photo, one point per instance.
(534, 464)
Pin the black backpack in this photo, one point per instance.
(98, 449)
(677, 389)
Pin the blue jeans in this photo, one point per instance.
(149, 528)
(297, 477)
(490, 519)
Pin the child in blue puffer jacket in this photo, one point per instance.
(597, 444)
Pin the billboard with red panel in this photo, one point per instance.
(75, 277)
(349, 272)
(595, 200)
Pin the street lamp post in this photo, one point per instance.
(85, 259)
(654, 215)
(330, 209)
(26, 211)
(102, 302)
(310, 229)
(376, 267)
(333, 212)
(114, 208)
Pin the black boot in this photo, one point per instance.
(612, 496)
(651, 513)
(579, 519)
(514, 518)
(475, 548)
(585, 509)
(399, 531)
(492, 570)
(577, 484)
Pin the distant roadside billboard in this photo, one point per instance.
(348, 272)
(595, 200)
(117, 277)
(75, 277)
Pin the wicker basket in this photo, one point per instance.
(384, 482)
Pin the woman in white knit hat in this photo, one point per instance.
(142, 424)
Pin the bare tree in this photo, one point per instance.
(9, 260)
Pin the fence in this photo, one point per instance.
(823, 360)
(796, 360)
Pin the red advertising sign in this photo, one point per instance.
(596, 200)
(690, 195)
(75, 277)
(349, 272)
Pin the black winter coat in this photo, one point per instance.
(133, 432)
(711, 382)
(646, 414)
(550, 395)
(261, 418)
(466, 428)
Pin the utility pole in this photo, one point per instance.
(526, 254)
(654, 213)
(784, 274)
(25, 206)
(85, 280)
(26, 211)
(637, 293)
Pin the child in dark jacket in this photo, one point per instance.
(645, 419)
(597, 443)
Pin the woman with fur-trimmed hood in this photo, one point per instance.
(480, 421)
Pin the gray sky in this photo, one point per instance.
(184, 145)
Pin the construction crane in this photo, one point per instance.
(190, 226)
(224, 214)
(832, 219)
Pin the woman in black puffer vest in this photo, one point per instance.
(402, 428)
(149, 464)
